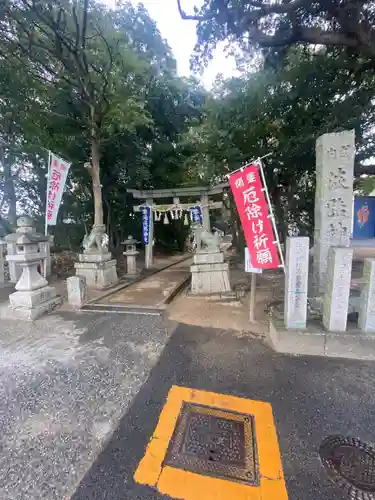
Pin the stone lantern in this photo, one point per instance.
(33, 296)
(25, 226)
(131, 255)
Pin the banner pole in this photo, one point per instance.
(252, 297)
(46, 217)
(247, 164)
(260, 164)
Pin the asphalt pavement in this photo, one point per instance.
(311, 397)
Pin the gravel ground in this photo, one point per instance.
(65, 382)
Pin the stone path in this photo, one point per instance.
(65, 382)
(153, 291)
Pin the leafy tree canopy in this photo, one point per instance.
(269, 23)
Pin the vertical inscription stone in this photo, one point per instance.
(336, 299)
(366, 319)
(296, 281)
(333, 199)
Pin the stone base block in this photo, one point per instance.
(352, 344)
(210, 278)
(99, 275)
(33, 298)
(29, 313)
(94, 257)
(208, 257)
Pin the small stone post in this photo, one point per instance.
(366, 319)
(296, 281)
(336, 299)
(335, 154)
(33, 297)
(131, 255)
(77, 291)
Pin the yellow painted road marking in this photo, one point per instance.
(185, 485)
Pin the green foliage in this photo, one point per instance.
(281, 111)
(115, 82)
(268, 24)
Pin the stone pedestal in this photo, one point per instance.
(99, 269)
(296, 281)
(336, 299)
(77, 291)
(131, 255)
(333, 200)
(366, 318)
(131, 263)
(33, 297)
(209, 273)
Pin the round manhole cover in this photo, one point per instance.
(350, 463)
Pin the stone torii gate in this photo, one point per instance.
(175, 193)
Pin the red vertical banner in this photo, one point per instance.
(248, 192)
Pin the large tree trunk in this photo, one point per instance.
(96, 186)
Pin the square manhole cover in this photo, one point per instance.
(215, 442)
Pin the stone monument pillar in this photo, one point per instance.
(366, 318)
(333, 199)
(131, 255)
(209, 273)
(336, 298)
(33, 297)
(96, 263)
(296, 281)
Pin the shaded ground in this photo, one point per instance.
(311, 398)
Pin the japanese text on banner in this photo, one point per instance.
(196, 214)
(252, 207)
(146, 220)
(57, 173)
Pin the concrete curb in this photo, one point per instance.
(315, 342)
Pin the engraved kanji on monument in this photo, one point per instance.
(296, 281)
(336, 298)
(333, 199)
(366, 319)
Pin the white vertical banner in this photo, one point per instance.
(57, 173)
